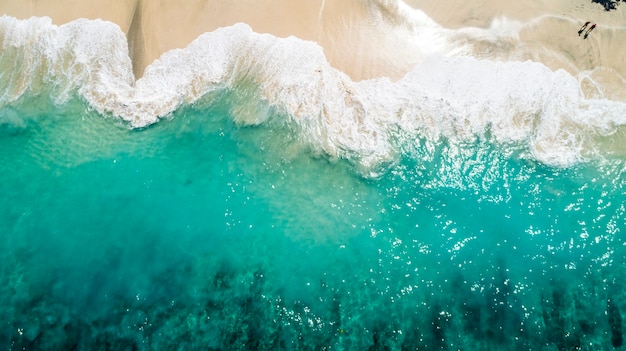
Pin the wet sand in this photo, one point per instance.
(364, 40)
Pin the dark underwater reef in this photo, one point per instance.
(234, 310)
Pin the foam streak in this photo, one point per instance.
(455, 98)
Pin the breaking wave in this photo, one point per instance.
(447, 94)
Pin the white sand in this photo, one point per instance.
(360, 38)
(550, 35)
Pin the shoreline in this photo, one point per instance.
(363, 40)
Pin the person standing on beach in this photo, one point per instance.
(583, 27)
(589, 30)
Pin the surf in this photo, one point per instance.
(447, 94)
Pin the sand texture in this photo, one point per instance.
(371, 39)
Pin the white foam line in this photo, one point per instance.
(456, 98)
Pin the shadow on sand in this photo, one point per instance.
(608, 4)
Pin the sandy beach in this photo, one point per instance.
(364, 39)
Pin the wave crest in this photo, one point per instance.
(456, 98)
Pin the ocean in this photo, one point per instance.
(245, 194)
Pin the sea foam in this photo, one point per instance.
(448, 94)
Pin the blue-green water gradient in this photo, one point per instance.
(197, 233)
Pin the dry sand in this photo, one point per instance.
(550, 35)
(353, 37)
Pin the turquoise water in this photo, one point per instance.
(198, 233)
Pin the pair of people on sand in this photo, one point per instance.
(588, 29)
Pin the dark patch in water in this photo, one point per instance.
(615, 323)
(236, 309)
